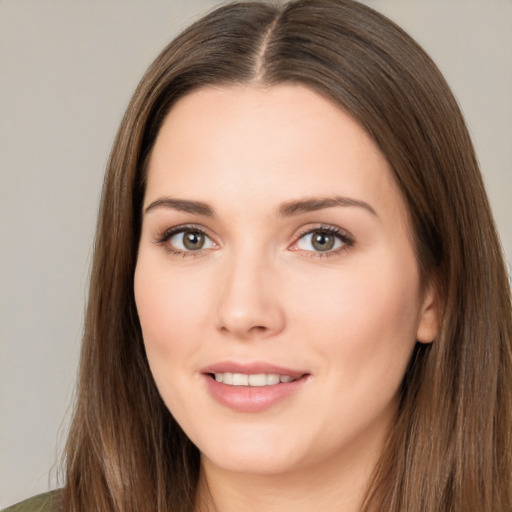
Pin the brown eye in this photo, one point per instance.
(322, 241)
(193, 240)
(189, 240)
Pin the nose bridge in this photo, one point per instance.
(249, 303)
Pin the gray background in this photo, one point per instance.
(67, 70)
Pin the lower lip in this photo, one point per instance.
(252, 398)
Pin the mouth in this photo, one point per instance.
(252, 380)
(252, 387)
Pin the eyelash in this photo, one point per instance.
(343, 236)
(169, 233)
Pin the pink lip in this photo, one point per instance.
(247, 398)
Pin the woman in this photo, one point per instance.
(298, 298)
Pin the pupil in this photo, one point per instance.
(193, 240)
(323, 241)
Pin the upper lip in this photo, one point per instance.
(251, 368)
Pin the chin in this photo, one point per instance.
(251, 452)
(252, 463)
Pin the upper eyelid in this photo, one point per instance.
(326, 227)
(186, 227)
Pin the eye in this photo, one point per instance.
(323, 240)
(186, 239)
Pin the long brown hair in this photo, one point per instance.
(450, 447)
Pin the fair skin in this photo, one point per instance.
(291, 257)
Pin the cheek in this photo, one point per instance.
(166, 300)
(170, 309)
(364, 320)
(363, 327)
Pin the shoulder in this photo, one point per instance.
(47, 502)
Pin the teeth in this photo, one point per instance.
(255, 380)
(239, 379)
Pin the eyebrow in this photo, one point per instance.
(182, 205)
(306, 205)
(287, 209)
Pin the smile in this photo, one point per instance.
(255, 380)
(252, 387)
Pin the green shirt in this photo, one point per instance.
(47, 502)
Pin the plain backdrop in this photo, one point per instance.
(67, 70)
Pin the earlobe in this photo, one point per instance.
(428, 324)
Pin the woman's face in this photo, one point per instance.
(276, 284)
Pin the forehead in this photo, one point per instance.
(274, 143)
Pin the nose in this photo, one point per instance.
(249, 305)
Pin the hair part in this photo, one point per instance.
(450, 447)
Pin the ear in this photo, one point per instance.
(428, 322)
